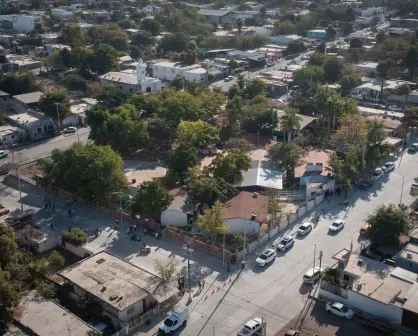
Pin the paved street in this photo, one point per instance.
(43, 148)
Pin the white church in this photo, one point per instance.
(134, 81)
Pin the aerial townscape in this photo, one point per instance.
(208, 168)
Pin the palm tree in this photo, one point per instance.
(290, 121)
(375, 131)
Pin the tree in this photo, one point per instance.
(356, 43)
(308, 74)
(151, 198)
(290, 122)
(207, 189)
(321, 48)
(9, 294)
(411, 60)
(56, 258)
(256, 87)
(119, 43)
(213, 220)
(45, 289)
(75, 82)
(295, 46)
(152, 26)
(111, 96)
(227, 26)
(135, 52)
(275, 210)
(380, 37)
(239, 143)
(18, 83)
(347, 169)
(142, 39)
(165, 268)
(178, 83)
(286, 155)
(8, 246)
(173, 42)
(229, 165)
(353, 131)
(197, 134)
(331, 32)
(181, 159)
(105, 59)
(333, 68)
(410, 116)
(284, 28)
(73, 35)
(387, 223)
(349, 82)
(82, 58)
(47, 104)
(317, 59)
(239, 25)
(75, 236)
(127, 24)
(93, 172)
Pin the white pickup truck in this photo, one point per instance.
(253, 327)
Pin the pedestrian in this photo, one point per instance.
(345, 196)
(52, 226)
(49, 203)
(200, 286)
(69, 213)
(242, 265)
(134, 227)
(144, 244)
(73, 211)
(203, 284)
(46, 206)
(227, 266)
(53, 207)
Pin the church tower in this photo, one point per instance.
(140, 72)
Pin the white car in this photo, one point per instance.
(229, 78)
(69, 130)
(4, 153)
(312, 275)
(377, 174)
(336, 226)
(305, 228)
(266, 257)
(339, 309)
(286, 243)
(388, 166)
(395, 108)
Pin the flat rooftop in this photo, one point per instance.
(410, 252)
(117, 282)
(29, 98)
(378, 281)
(24, 117)
(45, 317)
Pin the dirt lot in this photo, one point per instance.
(319, 323)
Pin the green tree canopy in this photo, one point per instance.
(349, 82)
(151, 198)
(229, 165)
(213, 220)
(9, 294)
(48, 106)
(18, 83)
(388, 222)
(181, 159)
(75, 83)
(105, 59)
(197, 134)
(295, 46)
(72, 35)
(142, 39)
(239, 143)
(286, 155)
(75, 236)
(90, 171)
(151, 25)
(333, 68)
(308, 74)
(256, 87)
(410, 116)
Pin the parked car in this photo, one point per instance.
(266, 257)
(286, 243)
(3, 154)
(178, 317)
(252, 327)
(413, 148)
(336, 226)
(388, 166)
(229, 78)
(395, 108)
(339, 309)
(312, 275)
(69, 130)
(377, 174)
(364, 183)
(304, 228)
(364, 228)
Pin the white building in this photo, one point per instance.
(85, 26)
(168, 70)
(369, 67)
(61, 14)
(284, 40)
(135, 81)
(50, 48)
(179, 212)
(19, 23)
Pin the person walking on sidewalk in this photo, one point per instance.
(69, 213)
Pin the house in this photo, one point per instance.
(78, 113)
(124, 291)
(23, 102)
(280, 133)
(168, 70)
(404, 23)
(144, 172)
(262, 175)
(62, 14)
(133, 81)
(246, 212)
(317, 34)
(253, 58)
(369, 67)
(284, 40)
(375, 288)
(10, 135)
(46, 317)
(393, 127)
(407, 258)
(218, 16)
(50, 38)
(25, 63)
(50, 48)
(35, 124)
(180, 211)
(371, 91)
(19, 23)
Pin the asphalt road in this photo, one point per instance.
(277, 290)
(43, 148)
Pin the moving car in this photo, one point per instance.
(229, 78)
(364, 228)
(4, 153)
(395, 108)
(377, 174)
(336, 226)
(339, 309)
(286, 243)
(304, 228)
(388, 166)
(178, 317)
(413, 149)
(312, 275)
(69, 130)
(252, 328)
(266, 257)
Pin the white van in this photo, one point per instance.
(178, 317)
(312, 275)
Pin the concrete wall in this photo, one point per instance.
(238, 225)
(173, 218)
(49, 242)
(77, 250)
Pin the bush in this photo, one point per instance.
(75, 82)
(45, 289)
(56, 258)
(76, 237)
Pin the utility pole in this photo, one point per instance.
(243, 249)
(58, 116)
(223, 251)
(320, 259)
(314, 257)
(188, 251)
(403, 180)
